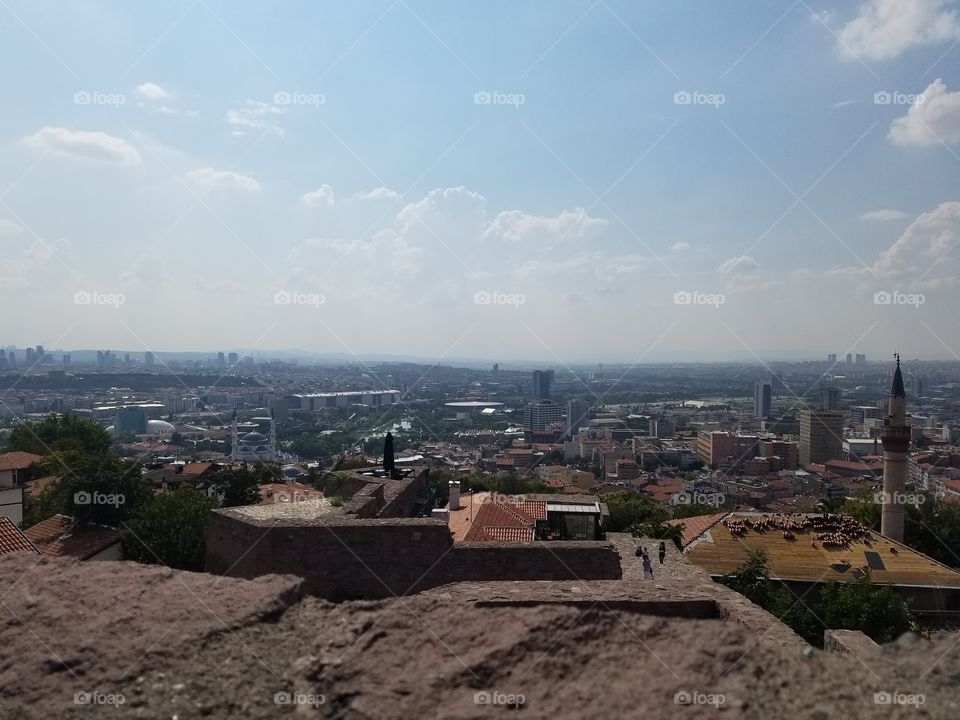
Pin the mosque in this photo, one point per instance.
(254, 446)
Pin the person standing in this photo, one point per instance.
(647, 568)
(663, 551)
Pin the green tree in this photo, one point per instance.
(171, 529)
(658, 531)
(628, 509)
(240, 486)
(875, 610)
(59, 433)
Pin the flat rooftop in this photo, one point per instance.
(805, 559)
(303, 509)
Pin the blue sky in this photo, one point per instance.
(212, 175)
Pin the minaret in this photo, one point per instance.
(273, 437)
(895, 436)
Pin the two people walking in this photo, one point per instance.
(647, 565)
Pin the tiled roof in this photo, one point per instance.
(17, 460)
(694, 527)
(497, 520)
(12, 539)
(80, 542)
(508, 534)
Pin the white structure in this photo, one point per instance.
(254, 446)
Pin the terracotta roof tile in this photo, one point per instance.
(81, 542)
(18, 460)
(12, 539)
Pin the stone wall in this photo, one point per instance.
(344, 558)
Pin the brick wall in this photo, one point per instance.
(343, 558)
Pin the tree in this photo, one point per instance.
(171, 529)
(240, 486)
(627, 509)
(59, 433)
(388, 461)
(659, 531)
(94, 489)
(874, 609)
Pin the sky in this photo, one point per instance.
(609, 181)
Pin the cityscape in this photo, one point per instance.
(413, 359)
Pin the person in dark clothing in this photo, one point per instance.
(639, 552)
(663, 551)
(647, 568)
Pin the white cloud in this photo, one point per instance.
(152, 91)
(20, 268)
(680, 247)
(254, 115)
(927, 250)
(211, 179)
(934, 117)
(323, 196)
(886, 28)
(8, 227)
(83, 145)
(519, 227)
(883, 215)
(380, 193)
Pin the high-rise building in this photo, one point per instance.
(66, 358)
(232, 358)
(832, 358)
(221, 360)
(830, 398)
(541, 414)
(576, 416)
(821, 436)
(861, 359)
(895, 436)
(148, 358)
(541, 384)
(849, 359)
(762, 398)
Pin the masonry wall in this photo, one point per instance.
(346, 559)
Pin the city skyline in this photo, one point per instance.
(596, 182)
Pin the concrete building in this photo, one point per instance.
(895, 435)
(577, 411)
(821, 436)
(830, 398)
(719, 447)
(542, 379)
(324, 401)
(762, 398)
(541, 415)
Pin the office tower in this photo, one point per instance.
(576, 416)
(830, 398)
(849, 359)
(541, 384)
(861, 359)
(221, 360)
(832, 358)
(762, 398)
(232, 358)
(541, 414)
(821, 436)
(148, 358)
(895, 436)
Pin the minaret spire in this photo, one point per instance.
(895, 435)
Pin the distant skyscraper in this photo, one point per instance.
(895, 435)
(148, 358)
(541, 414)
(496, 367)
(232, 358)
(762, 398)
(918, 387)
(66, 358)
(541, 384)
(221, 359)
(849, 359)
(861, 359)
(830, 398)
(576, 416)
(821, 436)
(832, 358)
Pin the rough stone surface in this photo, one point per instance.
(121, 629)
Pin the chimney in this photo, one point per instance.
(454, 503)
